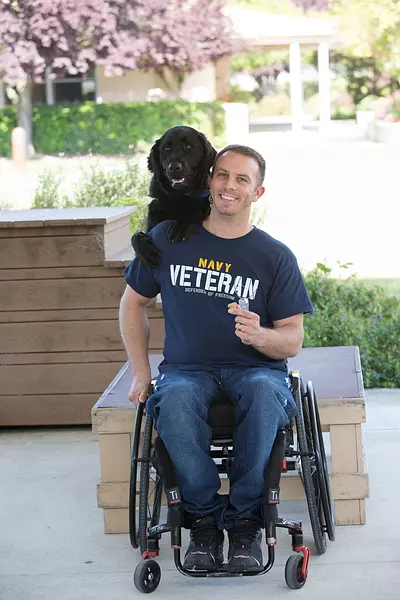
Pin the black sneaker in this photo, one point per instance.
(244, 552)
(205, 551)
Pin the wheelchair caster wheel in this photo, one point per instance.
(147, 576)
(293, 575)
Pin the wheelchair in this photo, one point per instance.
(304, 452)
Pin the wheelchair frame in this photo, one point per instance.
(308, 457)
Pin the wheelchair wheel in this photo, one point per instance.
(293, 572)
(147, 576)
(321, 463)
(149, 496)
(133, 531)
(308, 471)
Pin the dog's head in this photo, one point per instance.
(181, 160)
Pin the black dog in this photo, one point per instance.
(180, 162)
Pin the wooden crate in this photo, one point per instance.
(61, 281)
(336, 374)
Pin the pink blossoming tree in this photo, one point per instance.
(71, 36)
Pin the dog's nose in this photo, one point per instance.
(175, 166)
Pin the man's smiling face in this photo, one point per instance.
(235, 184)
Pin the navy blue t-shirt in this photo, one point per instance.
(199, 277)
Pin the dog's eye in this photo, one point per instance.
(167, 148)
(187, 146)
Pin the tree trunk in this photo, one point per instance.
(24, 114)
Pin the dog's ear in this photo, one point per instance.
(153, 160)
(209, 153)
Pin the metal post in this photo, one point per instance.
(2, 94)
(49, 87)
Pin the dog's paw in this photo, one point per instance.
(146, 250)
(177, 232)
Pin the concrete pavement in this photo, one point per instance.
(52, 545)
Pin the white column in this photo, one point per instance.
(2, 94)
(296, 86)
(324, 87)
(236, 123)
(49, 87)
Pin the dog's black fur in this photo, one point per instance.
(182, 153)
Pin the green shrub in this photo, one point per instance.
(111, 128)
(47, 192)
(351, 314)
(123, 186)
(342, 113)
(8, 120)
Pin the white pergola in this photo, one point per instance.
(268, 31)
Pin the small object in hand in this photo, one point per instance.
(244, 303)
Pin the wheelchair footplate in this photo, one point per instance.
(148, 573)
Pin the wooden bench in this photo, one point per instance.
(337, 378)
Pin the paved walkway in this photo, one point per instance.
(333, 198)
(52, 545)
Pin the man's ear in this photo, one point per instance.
(153, 160)
(259, 192)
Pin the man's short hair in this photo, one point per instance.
(244, 151)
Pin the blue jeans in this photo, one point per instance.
(263, 403)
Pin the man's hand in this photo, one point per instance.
(139, 391)
(247, 324)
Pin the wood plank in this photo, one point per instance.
(58, 273)
(87, 378)
(71, 336)
(341, 412)
(45, 232)
(111, 420)
(60, 251)
(33, 410)
(113, 225)
(116, 418)
(115, 457)
(333, 370)
(45, 217)
(61, 294)
(343, 487)
(116, 240)
(77, 314)
(349, 512)
(48, 358)
(116, 520)
(121, 259)
(346, 444)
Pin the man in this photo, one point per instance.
(212, 345)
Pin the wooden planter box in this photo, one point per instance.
(61, 280)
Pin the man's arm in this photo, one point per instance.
(284, 340)
(135, 332)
